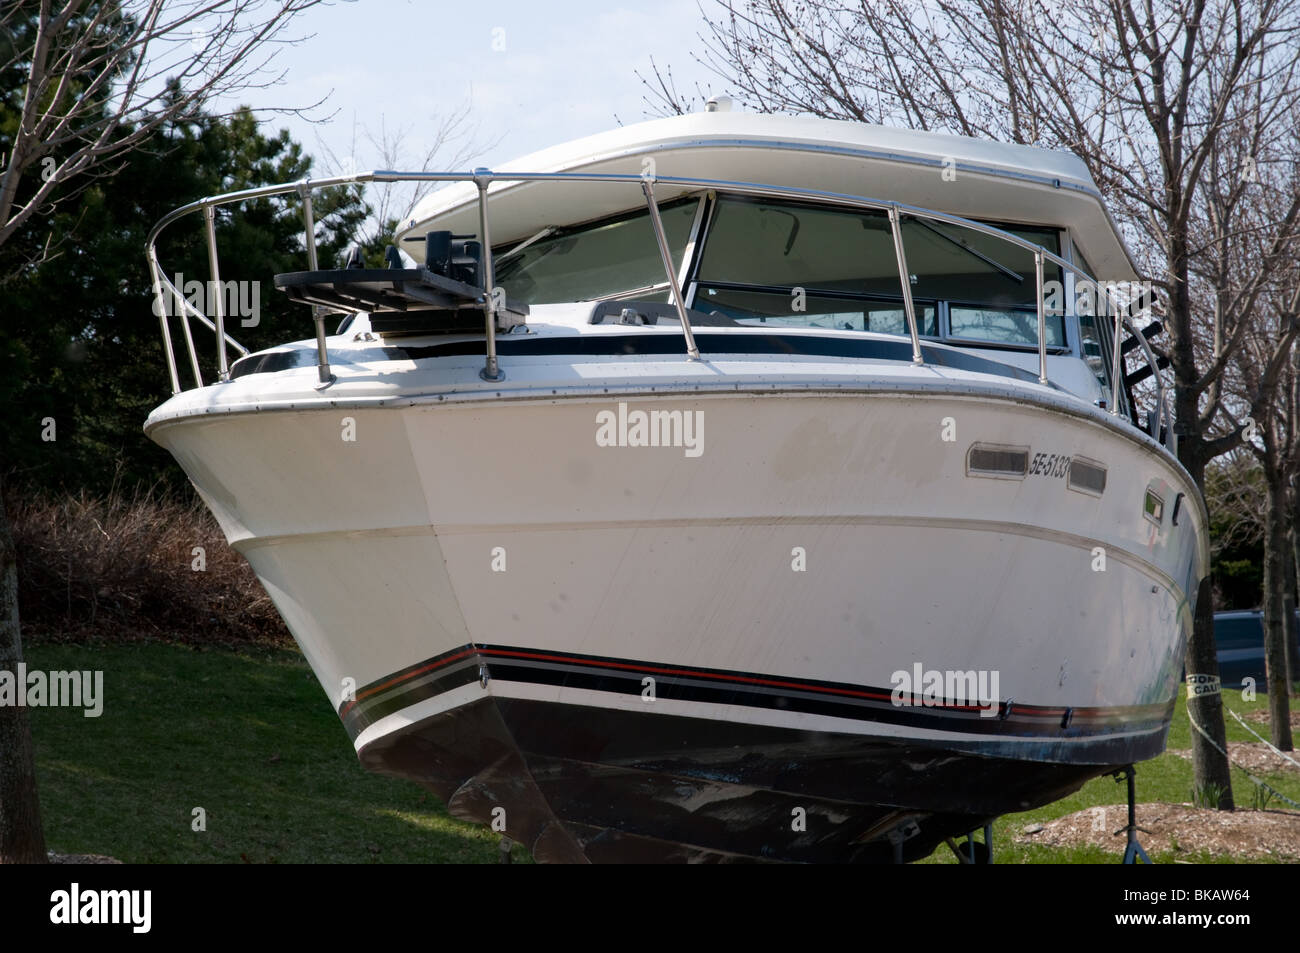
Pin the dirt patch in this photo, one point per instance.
(1254, 756)
(82, 859)
(1242, 834)
(1260, 717)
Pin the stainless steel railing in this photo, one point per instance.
(483, 180)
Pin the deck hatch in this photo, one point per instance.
(994, 460)
(1087, 476)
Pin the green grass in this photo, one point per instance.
(248, 736)
(1166, 778)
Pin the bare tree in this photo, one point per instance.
(99, 77)
(453, 145)
(1235, 494)
(1164, 101)
(102, 76)
(662, 95)
(1230, 262)
(1291, 398)
(1275, 449)
(22, 840)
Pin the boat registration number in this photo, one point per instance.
(1049, 465)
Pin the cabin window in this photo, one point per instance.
(1087, 476)
(989, 284)
(1095, 349)
(1017, 326)
(779, 245)
(1153, 507)
(789, 265)
(813, 310)
(811, 266)
(993, 460)
(1094, 335)
(598, 259)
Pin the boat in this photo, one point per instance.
(720, 488)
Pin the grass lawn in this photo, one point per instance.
(250, 737)
(1166, 778)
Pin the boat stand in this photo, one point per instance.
(973, 851)
(1134, 850)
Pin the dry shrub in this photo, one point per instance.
(121, 567)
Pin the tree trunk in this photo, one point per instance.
(1275, 627)
(22, 840)
(1293, 625)
(1209, 756)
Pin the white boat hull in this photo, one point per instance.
(456, 554)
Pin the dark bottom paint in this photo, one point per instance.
(592, 784)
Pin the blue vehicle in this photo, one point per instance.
(1239, 639)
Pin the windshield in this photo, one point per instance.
(792, 264)
(988, 283)
(599, 259)
(767, 262)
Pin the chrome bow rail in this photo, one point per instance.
(484, 178)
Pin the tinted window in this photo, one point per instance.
(991, 283)
(771, 244)
(1095, 336)
(1005, 325)
(960, 264)
(591, 261)
(814, 310)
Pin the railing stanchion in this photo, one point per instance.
(317, 312)
(215, 295)
(308, 225)
(491, 368)
(1042, 318)
(189, 346)
(647, 186)
(161, 306)
(1116, 360)
(1153, 362)
(905, 280)
(156, 270)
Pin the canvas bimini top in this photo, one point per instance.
(973, 178)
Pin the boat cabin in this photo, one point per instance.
(814, 264)
(806, 227)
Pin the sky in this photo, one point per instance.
(532, 75)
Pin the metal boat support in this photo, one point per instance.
(1133, 851)
(973, 851)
